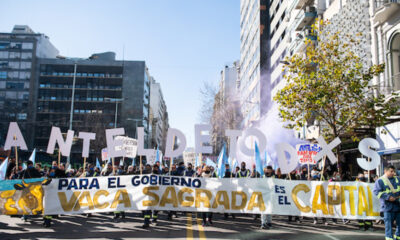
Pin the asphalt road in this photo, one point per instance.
(186, 226)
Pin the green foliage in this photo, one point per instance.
(329, 83)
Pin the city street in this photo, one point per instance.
(186, 226)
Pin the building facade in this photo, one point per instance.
(107, 93)
(226, 110)
(254, 82)
(385, 28)
(19, 53)
(159, 113)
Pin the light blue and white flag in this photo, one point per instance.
(158, 156)
(33, 156)
(210, 163)
(259, 166)
(3, 169)
(197, 162)
(98, 164)
(222, 160)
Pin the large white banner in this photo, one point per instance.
(350, 200)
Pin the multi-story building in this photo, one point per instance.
(379, 23)
(254, 82)
(385, 28)
(19, 52)
(226, 109)
(159, 121)
(107, 93)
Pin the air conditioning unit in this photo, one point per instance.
(310, 9)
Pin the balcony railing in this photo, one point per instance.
(380, 3)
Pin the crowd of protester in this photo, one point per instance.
(90, 170)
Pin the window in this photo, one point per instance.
(15, 55)
(27, 45)
(13, 74)
(3, 75)
(14, 85)
(11, 95)
(25, 65)
(16, 45)
(3, 54)
(14, 65)
(3, 64)
(4, 45)
(26, 55)
(24, 75)
(395, 61)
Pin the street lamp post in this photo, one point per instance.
(71, 115)
(117, 100)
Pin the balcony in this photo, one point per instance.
(299, 4)
(384, 9)
(298, 44)
(305, 18)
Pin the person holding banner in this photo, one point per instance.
(117, 214)
(364, 224)
(107, 171)
(206, 173)
(189, 171)
(254, 173)
(292, 176)
(30, 172)
(10, 167)
(228, 174)
(243, 172)
(266, 219)
(387, 189)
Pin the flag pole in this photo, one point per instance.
(16, 153)
(369, 173)
(112, 159)
(59, 157)
(323, 167)
(141, 165)
(171, 160)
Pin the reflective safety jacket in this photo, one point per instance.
(241, 175)
(383, 192)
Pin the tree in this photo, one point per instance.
(226, 115)
(207, 94)
(330, 84)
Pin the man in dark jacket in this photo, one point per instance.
(30, 172)
(189, 171)
(10, 167)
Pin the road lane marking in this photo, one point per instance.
(189, 230)
(202, 234)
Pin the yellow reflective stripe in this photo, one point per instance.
(147, 216)
(382, 192)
